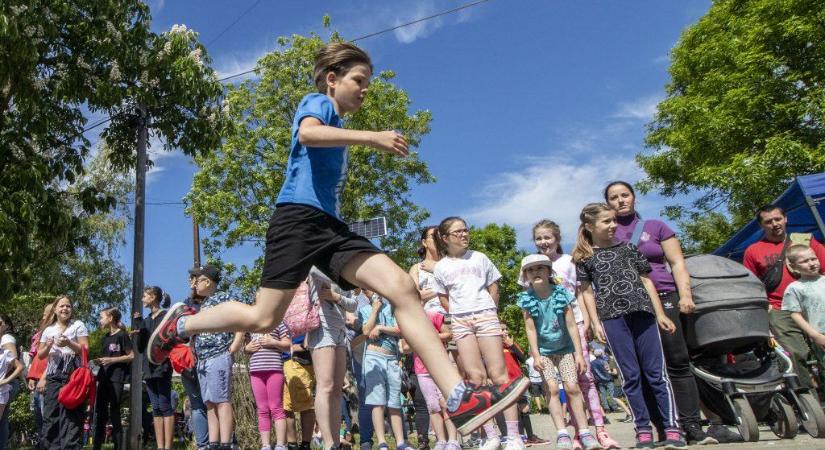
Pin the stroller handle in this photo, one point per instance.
(788, 361)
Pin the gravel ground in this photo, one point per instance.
(624, 434)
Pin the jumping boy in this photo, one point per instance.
(306, 230)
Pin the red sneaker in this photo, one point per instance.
(512, 389)
(481, 404)
(166, 335)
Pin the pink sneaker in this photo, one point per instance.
(607, 442)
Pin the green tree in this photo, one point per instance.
(61, 60)
(498, 242)
(90, 274)
(743, 114)
(234, 191)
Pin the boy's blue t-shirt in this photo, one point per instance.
(315, 176)
(386, 318)
(548, 316)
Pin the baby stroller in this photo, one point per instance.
(742, 375)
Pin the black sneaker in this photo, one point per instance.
(695, 435)
(166, 335)
(723, 435)
(627, 419)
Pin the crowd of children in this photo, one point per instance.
(578, 310)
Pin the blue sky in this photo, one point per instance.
(536, 104)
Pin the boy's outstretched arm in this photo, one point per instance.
(313, 133)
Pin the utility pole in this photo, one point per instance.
(136, 381)
(196, 243)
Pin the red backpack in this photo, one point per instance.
(81, 385)
(182, 358)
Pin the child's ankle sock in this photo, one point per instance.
(490, 430)
(512, 429)
(455, 397)
(180, 327)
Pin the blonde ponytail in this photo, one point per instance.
(584, 245)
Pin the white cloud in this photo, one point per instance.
(157, 6)
(418, 30)
(641, 109)
(661, 60)
(549, 188)
(160, 157)
(231, 64)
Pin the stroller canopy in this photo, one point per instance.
(803, 202)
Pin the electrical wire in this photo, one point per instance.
(387, 30)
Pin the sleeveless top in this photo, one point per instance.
(426, 280)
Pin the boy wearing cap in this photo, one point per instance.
(214, 352)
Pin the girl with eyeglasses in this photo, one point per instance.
(466, 281)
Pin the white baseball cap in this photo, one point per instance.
(533, 260)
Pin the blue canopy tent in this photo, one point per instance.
(804, 204)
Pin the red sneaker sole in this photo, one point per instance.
(515, 393)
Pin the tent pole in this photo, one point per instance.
(815, 212)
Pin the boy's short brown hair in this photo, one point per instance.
(337, 57)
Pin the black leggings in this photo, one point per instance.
(107, 406)
(422, 414)
(678, 369)
(62, 428)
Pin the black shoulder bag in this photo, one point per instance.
(773, 276)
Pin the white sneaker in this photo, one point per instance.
(515, 444)
(491, 444)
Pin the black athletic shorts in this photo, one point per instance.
(299, 237)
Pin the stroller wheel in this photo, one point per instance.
(783, 419)
(745, 419)
(811, 415)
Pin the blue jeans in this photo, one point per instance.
(37, 408)
(365, 427)
(199, 424)
(4, 421)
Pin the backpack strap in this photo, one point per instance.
(637, 232)
(84, 356)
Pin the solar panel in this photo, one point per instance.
(371, 228)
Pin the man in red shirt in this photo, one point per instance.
(759, 257)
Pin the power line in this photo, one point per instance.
(443, 13)
(233, 23)
(359, 38)
(367, 36)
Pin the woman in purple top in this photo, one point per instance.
(658, 243)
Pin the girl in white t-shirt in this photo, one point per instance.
(547, 238)
(61, 342)
(10, 366)
(467, 284)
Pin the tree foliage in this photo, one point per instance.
(498, 242)
(234, 191)
(89, 274)
(61, 60)
(743, 115)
